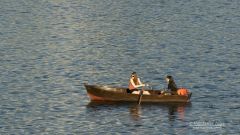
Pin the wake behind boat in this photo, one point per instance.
(110, 93)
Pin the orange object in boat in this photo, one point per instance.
(182, 91)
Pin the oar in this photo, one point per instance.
(140, 95)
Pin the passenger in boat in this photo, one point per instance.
(174, 89)
(134, 84)
(171, 84)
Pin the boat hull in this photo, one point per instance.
(108, 93)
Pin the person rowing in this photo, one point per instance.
(134, 84)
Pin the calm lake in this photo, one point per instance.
(49, 48)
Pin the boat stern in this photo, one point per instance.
(189, 96)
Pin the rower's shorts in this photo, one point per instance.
(131, 91)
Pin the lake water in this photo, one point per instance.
(50, 48)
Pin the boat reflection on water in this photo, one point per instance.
(175, 110)
(135, 112)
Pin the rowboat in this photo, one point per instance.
(111, 93)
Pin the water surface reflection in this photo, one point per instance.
(138, 112)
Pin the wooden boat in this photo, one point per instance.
(110, 93)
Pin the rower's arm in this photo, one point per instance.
(136, 86)
(142, 84)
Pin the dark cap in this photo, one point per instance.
(169, 77)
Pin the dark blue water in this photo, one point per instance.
(50, 48)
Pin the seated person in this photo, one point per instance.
(171, 85)
(134, 84)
